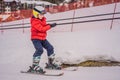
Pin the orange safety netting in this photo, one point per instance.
(22, 14)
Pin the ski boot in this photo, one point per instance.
(51, 64)
(35, 68)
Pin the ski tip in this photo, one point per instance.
(75, 69)
(61, 74)
(22, 71)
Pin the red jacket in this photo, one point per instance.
(39, 28)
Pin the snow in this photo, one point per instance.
(88, 41)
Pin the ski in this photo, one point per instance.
(66, 69)
(45, 74)
(70, 68)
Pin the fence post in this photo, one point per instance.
(2, 12)
(73, 21)
(113, 15)
(1, 27)
(74, 6)
(23, 22)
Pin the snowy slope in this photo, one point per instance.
(88, 41)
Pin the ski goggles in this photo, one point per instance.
(41, 12)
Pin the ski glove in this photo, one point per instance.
(53, 25)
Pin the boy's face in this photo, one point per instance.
(40, 16)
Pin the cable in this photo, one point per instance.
(68, 18)
(95, 20)
(85, 16)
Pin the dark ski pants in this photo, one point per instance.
(39, 45)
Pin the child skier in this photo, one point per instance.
(39, 29)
